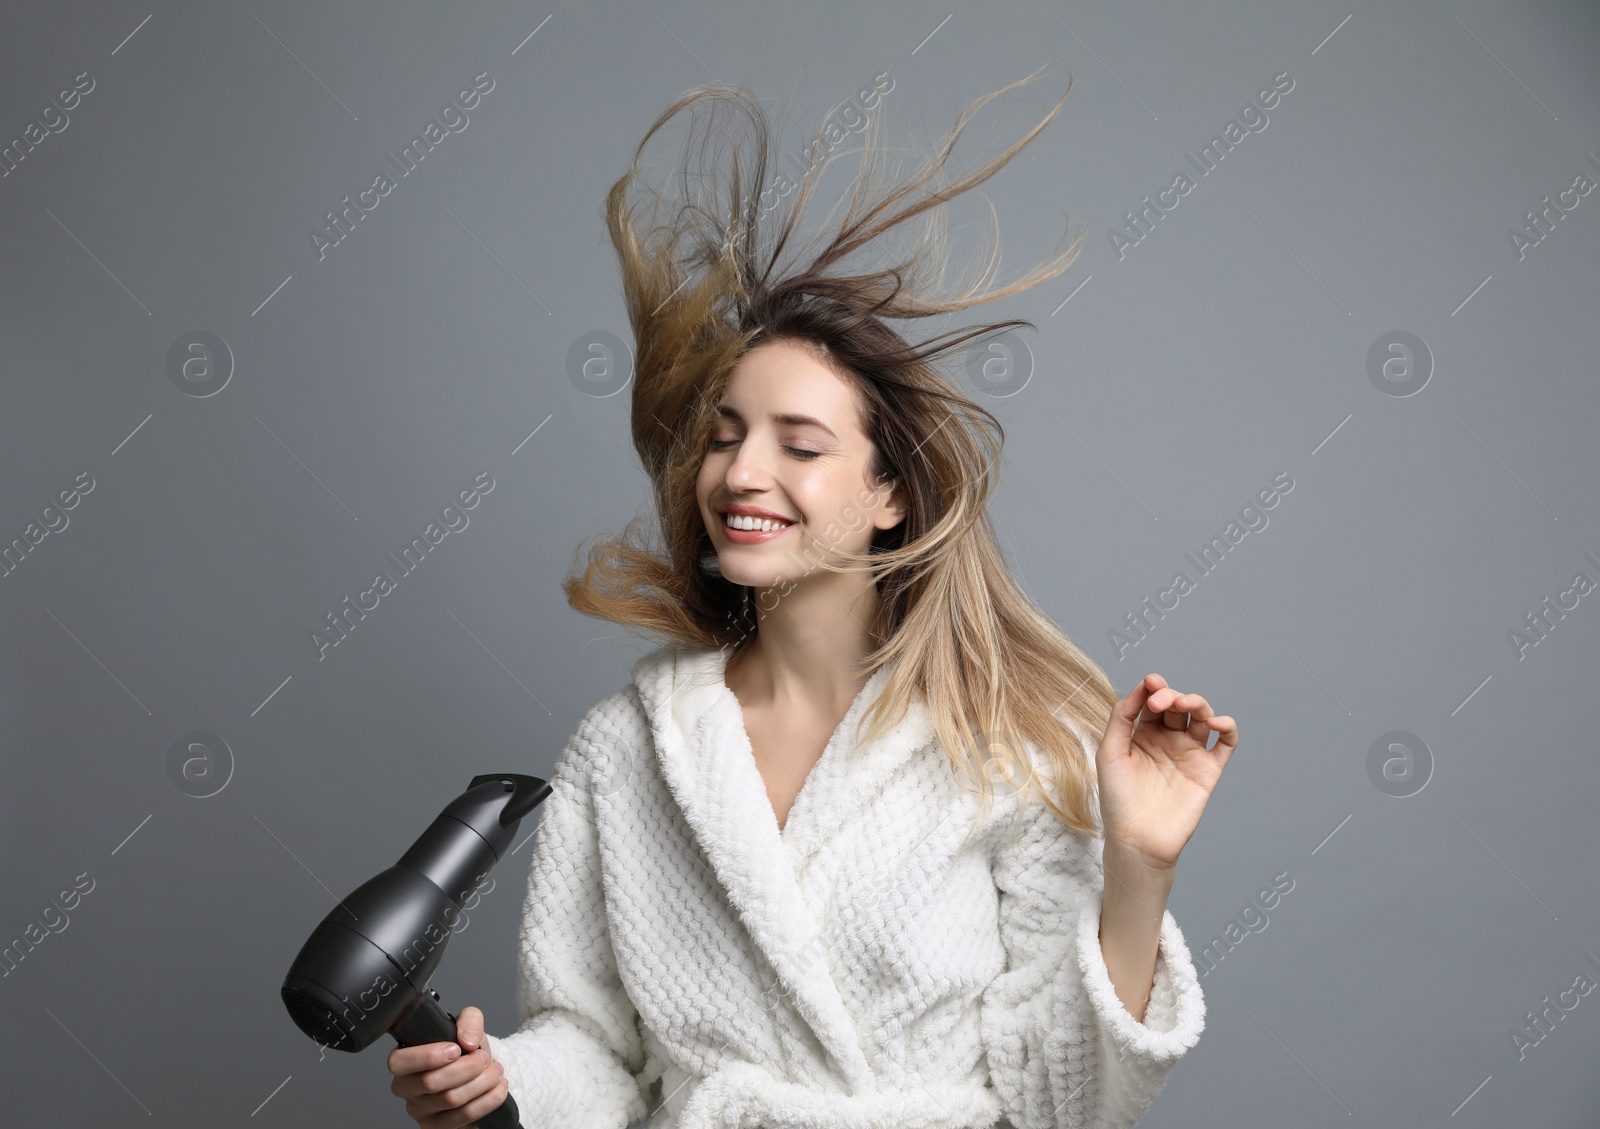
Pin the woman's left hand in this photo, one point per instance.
(1156, 774)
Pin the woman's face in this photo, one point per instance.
(789, 442)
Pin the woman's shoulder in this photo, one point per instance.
(619, 713)
(673, 664)
(618, 726)
(646, 672)
(605, 745)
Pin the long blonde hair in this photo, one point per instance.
(702, 288)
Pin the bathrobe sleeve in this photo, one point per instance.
(576, 1058)
(1063, 1051)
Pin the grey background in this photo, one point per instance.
(431, 345)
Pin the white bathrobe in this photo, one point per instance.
(869, 966)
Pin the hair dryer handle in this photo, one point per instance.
(428, 1022)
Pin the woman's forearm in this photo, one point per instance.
(1131, 909)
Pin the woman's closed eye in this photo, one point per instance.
(719, 444)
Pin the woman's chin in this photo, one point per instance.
(750, 578)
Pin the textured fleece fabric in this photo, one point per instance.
(886, 960)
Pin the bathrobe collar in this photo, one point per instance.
(708, 765)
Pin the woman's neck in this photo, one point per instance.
(809, 643)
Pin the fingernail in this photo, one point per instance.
(453, 1053)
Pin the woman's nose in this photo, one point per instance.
(748, 469)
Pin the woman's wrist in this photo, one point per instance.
(1132, 906)
(1136, 869)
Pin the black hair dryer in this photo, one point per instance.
(364, 971)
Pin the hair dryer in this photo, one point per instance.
(364, 971)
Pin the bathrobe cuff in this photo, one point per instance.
(1063, 1051)
(551, 1080)
(1138, 1056)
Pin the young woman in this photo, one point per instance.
(771, 886)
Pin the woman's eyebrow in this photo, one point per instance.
(789, 418)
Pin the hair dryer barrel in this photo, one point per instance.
(466, 840)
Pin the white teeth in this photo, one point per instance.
(739, 521)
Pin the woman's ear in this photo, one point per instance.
(892, 511)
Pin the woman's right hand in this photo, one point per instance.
(449, 1085)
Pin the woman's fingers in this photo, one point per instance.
(1162, 703)
(469, 1027)
(426, 1084)
(1178, 711)
(1200, 712)
(488, 1077)
(427, 1056)
(445, 1086)
(490, 1101)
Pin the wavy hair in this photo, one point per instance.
(704, 283)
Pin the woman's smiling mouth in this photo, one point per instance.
(745, 529)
